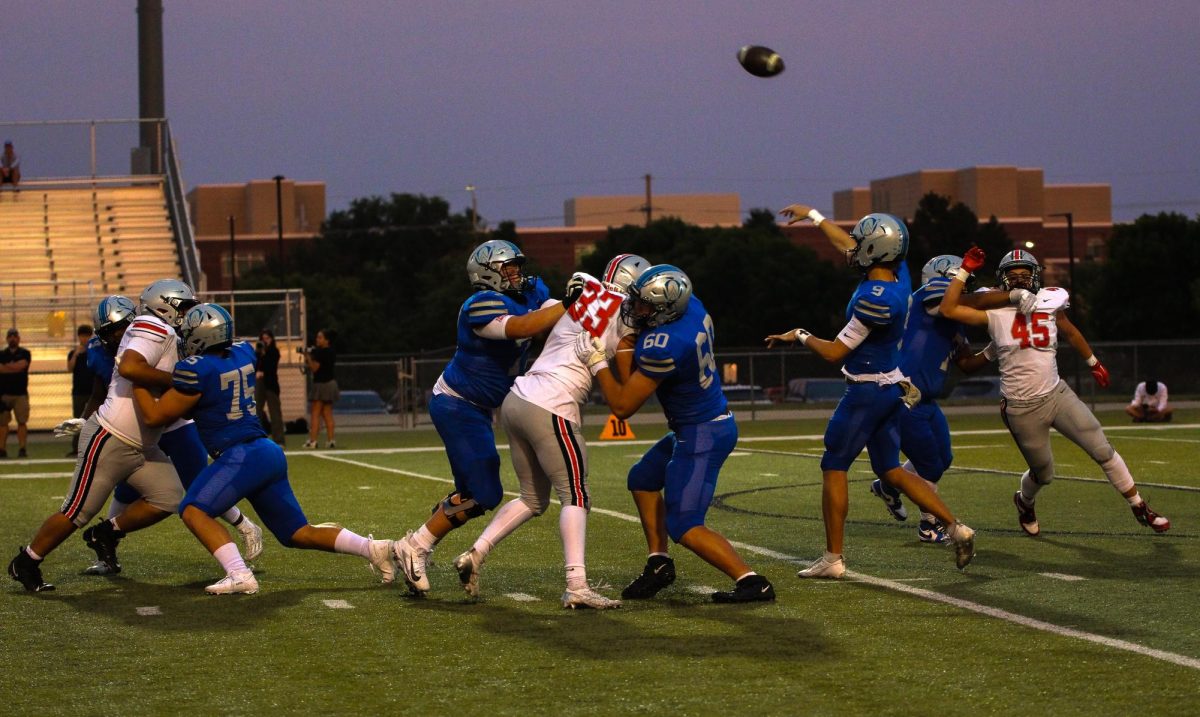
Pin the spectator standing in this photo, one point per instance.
(323, 391)
(14, 392)
(82, 378)
(1149, 404)
(10, 165)
(266, 389)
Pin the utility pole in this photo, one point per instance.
(649, 208)
(474, 209)
(232, 259)
(1070, 217)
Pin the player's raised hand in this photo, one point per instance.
(575, 286)
(795, 212)
(973, 259)
(590, 350)
(1099, 372)
(1025, 301)
(787, 337)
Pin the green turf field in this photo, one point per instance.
(1098, 616)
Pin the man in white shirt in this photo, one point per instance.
(1149, 404)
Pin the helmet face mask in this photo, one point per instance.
(659, 296)
(878, 238)
(112, 315)
(1010, 275)
(206, 327)
(169, 300)
(622, 270)
(496, 265)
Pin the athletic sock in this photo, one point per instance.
(116, 528)
(832, 557)
(659, 555)
(1029, 488)
(233, 516)
(572, 524)
(424, 539)
(740, 579)
(351, 543)
(30, 553)
(230, 559)
(1135, 500)
(115, 508)
(510, 517)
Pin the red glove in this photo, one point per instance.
(973, 259)
(1100, 374)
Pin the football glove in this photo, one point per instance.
(69, 427)
(590, 350)
(973, 259)
(1025, 301)
(1099, 372)
(575, 287)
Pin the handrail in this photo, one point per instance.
(181, 220)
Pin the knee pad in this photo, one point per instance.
(459, 508)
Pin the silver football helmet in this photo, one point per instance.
(878, 237)
(659, 296)
(945, 265)
(1019, 258)
(205, 327)
(485, 267)
(622, 270)
(112, 314)
(168, 299)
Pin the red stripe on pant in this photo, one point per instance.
(575, 465)
(87, 473)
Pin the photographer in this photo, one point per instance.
(266, 387)
(323, 391)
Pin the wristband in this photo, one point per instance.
(595, 368)
(962, 275)
(816, 217)
(1092, 360)
(802, 336)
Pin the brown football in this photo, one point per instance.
(760, 61)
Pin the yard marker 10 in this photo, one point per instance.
(616, 429)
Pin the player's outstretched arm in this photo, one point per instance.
(1075, 337)
(172, 406)
(832, 351)
(952, 307)
(535, 322)
(137, 369)
(835, 234)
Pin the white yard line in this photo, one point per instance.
(149, 610)
(1063, 576)
(894, 585)
(338, 604)
(521, 597)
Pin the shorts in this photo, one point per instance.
(326, 392)
(14, 404)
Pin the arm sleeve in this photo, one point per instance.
(854, 333)
(494, 329)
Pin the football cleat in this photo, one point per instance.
(239, 582)
(964, 544)
(752, 588)
(823, 567)
(252, 538)
(1026, 517)
(658, 574)
(411, 560)
(894, 505)
(28, 572)
(381, 559)
(1149, 518)
(310, 444)
(587, 598)
(98, 568)
(468, 565)
(103, 538)
(932, 531)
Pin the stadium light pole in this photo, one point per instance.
(279, 221)
(232, 259)
(1070, 217)
(474, 208)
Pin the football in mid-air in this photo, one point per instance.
(760, 61)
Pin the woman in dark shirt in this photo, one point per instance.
(323, 392)
(266, 387)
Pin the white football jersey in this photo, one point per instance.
(156, 341)
(1027, 346)
(558, 380)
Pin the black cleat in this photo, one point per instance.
(28, 572)
(103, 538)
(752, 588)
(658, 573)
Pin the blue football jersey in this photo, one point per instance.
(883, 307)
(681, 354)
(99, 361)
(928, 341)
(225, 381)
(482, 370)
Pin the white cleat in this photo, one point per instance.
(468, 566)
(252, 539)
(411, 561)
(98, 568)
(240, 582)
(381, 560)
(823, 567)
(587, 598)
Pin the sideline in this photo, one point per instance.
(1163, 655)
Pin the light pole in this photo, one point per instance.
(474, 208)
(279, 221)
(232, 259)
(1070, 217)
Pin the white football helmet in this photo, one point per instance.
(112, 314)
(878, 237)
(205, 327)
(622, 270)
(946, 265)
(1019, 258)
(168, 299)
(659, 296)
(485, 267)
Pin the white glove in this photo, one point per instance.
(1025, 301)
(69, 427)
(590, 350)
